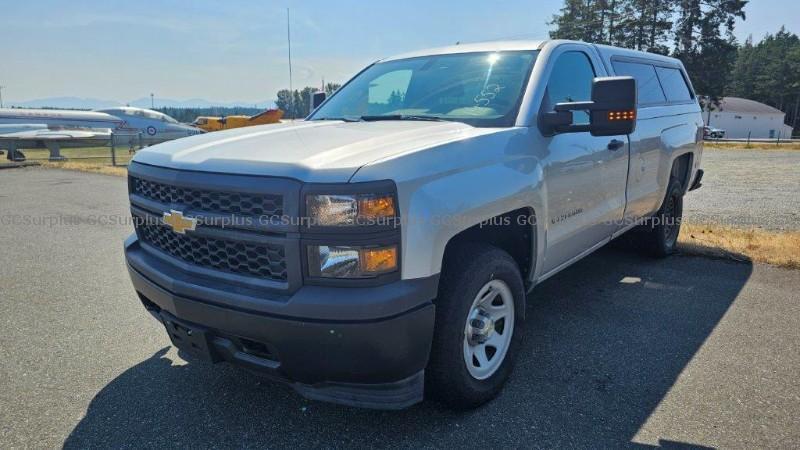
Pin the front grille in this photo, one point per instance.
(211, 201)
(243, 258)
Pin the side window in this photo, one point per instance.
(648, 87)
(571, 81)
(674, 84)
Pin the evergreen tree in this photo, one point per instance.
(701, 32)
(569, 24)
(705, 44)
(283, 102)
(769, 72)
(778, 81)
(395, 100)
(639, 24)
(297, 104)
(330, 88)
(748, 65)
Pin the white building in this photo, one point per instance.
(740, 116)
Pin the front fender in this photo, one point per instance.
(444, 190)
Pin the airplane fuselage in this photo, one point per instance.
(59, 119)
(153, 127)
(134, 126)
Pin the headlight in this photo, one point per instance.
(350, 210)
(328, 261)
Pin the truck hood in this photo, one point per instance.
(312, 151)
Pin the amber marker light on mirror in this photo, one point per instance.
(622, 115)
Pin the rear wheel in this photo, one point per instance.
(659, 234)
(479, 313)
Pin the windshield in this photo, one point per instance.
(481, 89)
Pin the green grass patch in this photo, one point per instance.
(788, 145)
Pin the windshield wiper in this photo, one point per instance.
(401, 117)
(343, 119)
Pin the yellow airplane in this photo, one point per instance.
(227, 123)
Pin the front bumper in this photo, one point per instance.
(370, 352)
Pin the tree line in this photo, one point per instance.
(769, 72)
(700, 34)
(187, 115)
(297, 104)
(294, 106)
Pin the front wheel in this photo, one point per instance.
(479, 315)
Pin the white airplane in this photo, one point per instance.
(154, 127)
(53, 129)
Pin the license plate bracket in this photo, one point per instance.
(190, 338)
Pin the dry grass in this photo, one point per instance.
(752, 146)
(87, 166)
(779, 248)
(84, 159)
(92, 154)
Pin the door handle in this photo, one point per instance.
(615, 144)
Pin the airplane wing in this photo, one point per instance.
(53, 140)
(57, 135)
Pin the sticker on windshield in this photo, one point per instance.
(488, 93)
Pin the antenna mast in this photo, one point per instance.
(289, 39)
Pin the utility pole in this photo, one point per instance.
(1, 95)
(289, 39)
(152, 104)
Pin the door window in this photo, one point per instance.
(571, 81)
(648, 88)
(674, 84)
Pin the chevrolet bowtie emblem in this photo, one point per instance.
(179, 223)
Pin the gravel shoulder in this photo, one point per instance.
(748, 188)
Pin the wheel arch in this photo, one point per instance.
(514, 232)
(682, 169)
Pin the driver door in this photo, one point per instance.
(585, 176)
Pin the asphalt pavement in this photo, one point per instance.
(621, 350)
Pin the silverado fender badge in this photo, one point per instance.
(179, 223)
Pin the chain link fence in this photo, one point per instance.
(116, 151)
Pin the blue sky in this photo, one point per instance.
(236, 50)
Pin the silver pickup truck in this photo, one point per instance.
(382, 248)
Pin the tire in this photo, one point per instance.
(659, 234)
(471, 269)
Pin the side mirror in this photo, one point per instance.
(615, 106)
(612, 110)
(316, 99)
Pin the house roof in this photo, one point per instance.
(743, 105)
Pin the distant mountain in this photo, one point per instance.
(195, 103)
(66, 103)
(94, 103)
